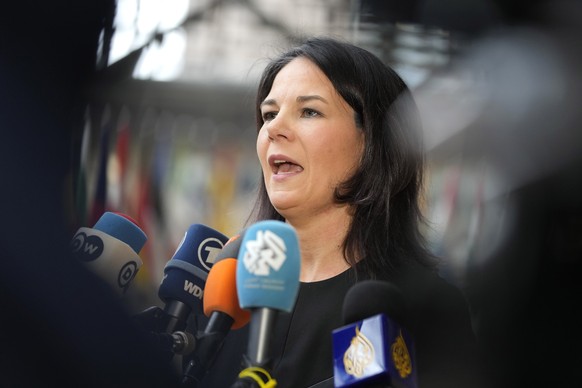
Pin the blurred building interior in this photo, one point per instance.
(157, 100)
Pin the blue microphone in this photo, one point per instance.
(111, 249)
(223, 310)
(185, 274)
(267, 281)
(374, 348)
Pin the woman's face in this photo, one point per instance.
(309, 142)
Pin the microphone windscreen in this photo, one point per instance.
(231, 248)
(220, 293)
(110, 249)
(371, 297)
(186, 272)
(268, 266)
(123, 228)
(374, 348)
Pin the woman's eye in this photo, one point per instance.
(268, 116)
(310, 113)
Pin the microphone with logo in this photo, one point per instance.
(185, 274)
(267, 282)
(374, 349)
(229, 251)
(182, 290)
(111, 249)
(221, 306)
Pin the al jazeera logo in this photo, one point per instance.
(401, 357)
(361, 353)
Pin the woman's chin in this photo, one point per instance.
(282, 207)
(285, 206)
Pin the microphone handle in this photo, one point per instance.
(260, 335)
(177, 313)
(208, 345)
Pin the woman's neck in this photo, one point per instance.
(321, 244)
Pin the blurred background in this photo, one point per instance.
(146, 107)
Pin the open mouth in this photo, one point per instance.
(282, 166)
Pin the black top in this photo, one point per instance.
(302, 342)
(302, 345)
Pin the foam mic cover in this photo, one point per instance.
(268, 267)
(220, 293)
(111, 249)
(371, 297)
(375, 347)
(231, 248)
(185, 274)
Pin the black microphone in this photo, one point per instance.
(375, 348)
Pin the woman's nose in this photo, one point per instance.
(279, 128)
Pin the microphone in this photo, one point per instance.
(267, 282)
(182, 287)
(111, 249)
(231, 248)
(374, 348)
(221, 297)
(221, 305)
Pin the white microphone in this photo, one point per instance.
(111, 249)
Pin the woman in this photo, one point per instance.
(341, 155)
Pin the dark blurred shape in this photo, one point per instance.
(526, 298)
(60, 326)
(523, 292)
(525, 301)
(470, 17)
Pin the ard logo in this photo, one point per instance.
(401, 357)
(359, 355)
(208, 250)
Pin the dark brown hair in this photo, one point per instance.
(385, 190)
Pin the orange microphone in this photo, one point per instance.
(220, 295)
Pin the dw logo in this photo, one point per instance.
(264, 253)
(126, 274)
(86, 248)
